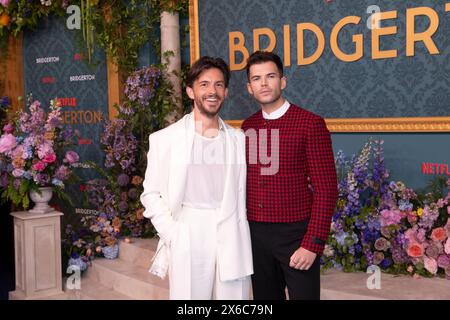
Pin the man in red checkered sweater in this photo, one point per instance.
(291, 186)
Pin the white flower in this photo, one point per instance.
(46, 2)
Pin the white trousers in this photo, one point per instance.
(205, 280)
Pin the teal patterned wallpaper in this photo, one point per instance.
(395, 87)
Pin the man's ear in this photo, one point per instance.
(249, 88)
(190, 92)
(283, 83)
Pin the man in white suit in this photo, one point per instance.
(194, 194)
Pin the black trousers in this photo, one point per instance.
(272, 245)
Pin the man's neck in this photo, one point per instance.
(206, 126)
(274, 106)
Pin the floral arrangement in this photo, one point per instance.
(16, 15)
(33, 153)
(384, 223)
(115, 195)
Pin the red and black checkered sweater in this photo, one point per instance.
(304, 185)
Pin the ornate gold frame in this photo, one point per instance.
(407, 124)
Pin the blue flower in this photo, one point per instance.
(386, 263)
(78, 263)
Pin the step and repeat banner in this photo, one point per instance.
(346, 60)
(54, 67)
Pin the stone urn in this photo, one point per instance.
(41, 200)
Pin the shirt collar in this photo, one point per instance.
(277, 113)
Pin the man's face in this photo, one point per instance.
(265, 83)
(208, 92)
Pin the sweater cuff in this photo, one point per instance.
(314, 244)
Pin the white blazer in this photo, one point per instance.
(164, 186)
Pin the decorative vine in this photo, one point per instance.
(119, 27)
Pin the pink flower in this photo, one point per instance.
(7, 143)
(389, 217)
(71, 157)
(39, 166)
(448, 209)
(438, 234)
(18, 173)
(382, 244)
(8, 128)
(431, 265)
(4, 3)
(447, 228)
(415, 250)
(44, 149)
(447, 246)
(432, 251)
(410, 269)
(50, 158)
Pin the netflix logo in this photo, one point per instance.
(84, 142)
(435, 168)
(68, 102)
(48, 80)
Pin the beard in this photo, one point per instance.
(211, 112)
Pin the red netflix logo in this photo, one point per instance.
(68, 102)
(435, 168)
(48, 80)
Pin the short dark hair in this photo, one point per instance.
(205, 63)
(258, 57)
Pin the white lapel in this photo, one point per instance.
(179, 159)
(229, 201)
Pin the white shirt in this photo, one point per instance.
(206, 173)
(277, 113)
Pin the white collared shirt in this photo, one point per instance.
(277, 113)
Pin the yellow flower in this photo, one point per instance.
(419, 212)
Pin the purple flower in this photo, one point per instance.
(3, 180)
(133, 193)
(123, 180)
(5, 101)
(62, 173)
(123, 206)
(443, 261)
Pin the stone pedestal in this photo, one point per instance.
(37, 245)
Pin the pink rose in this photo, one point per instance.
(71, 157)
(39, 166)
(447, 246)
(4, 3)
(430, 265)
(415, 250)
(8, 128)
(438, 234)
(50, 158)
(7, 143)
